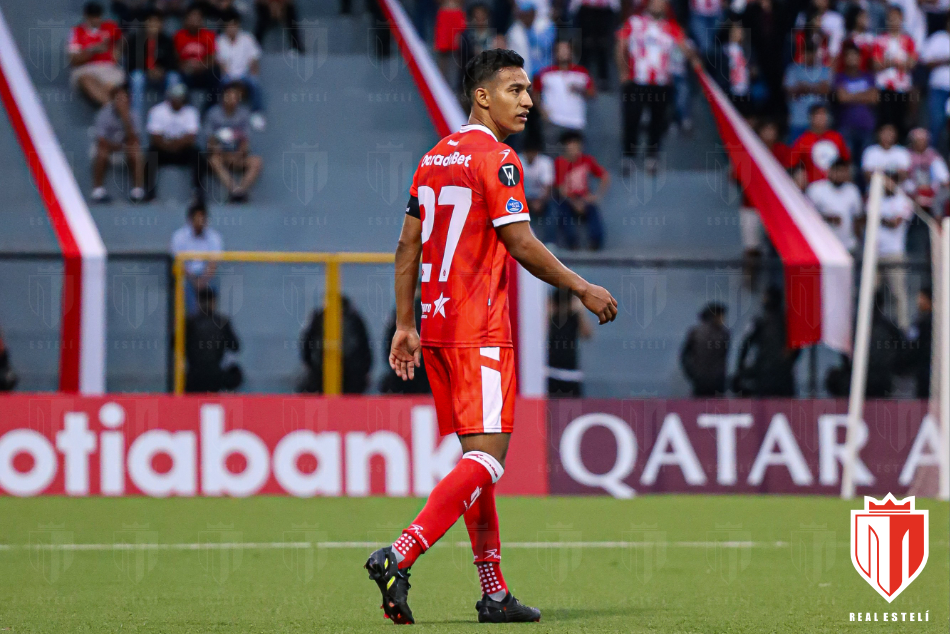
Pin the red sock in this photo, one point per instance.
(450, 498)
(482, 523)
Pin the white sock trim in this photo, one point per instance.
(494, 468)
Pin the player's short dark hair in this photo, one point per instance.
(195, 6)
(197, 207)
(92, 10)
(152, 12)
(815, 107)
(231, 15)
(840, 162)
(485, 65)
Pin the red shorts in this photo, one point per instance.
(474, 389)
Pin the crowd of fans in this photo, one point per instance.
(189, 99)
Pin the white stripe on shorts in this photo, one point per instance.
(491, 393)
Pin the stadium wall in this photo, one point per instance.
(158, 445)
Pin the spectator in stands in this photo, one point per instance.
(596, 20)
(839, 202)
(129, 12)
(769, 134)
(920, 340)
(226, 132)
(737, 62)
(538, 186)
(175, 8)
(894, 57)
(532, 37)
(217, 12)
(575, 204)
(886, 155)
(821, 17)
(282, 13)
(704, 17)
(771, 373)
(209, 343)
(94, 52)
(705, 351)
(897, 211)
(887, 352)
(682, 94)
(449, 26)
(645, 44)
(391, 383)
(357, 353)
(477, 37)
(928, 177)
(564, 89)
(766, 22)
(936, 57)
(151, 61)
(860, 36)
(567, 325)
(239, 57)
(196, 235)
(117, 130)
(173, 132)
(818, 147)
(195, 47)
(8, 378)
(857, 97)
(807, 84)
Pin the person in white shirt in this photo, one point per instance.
(565, 88)
(886, 155)
(838, 200)
(173, 132)
(897, 210)
(936, 57)
(538, 181)
(929, 177)
(196, 235)
(239, 56)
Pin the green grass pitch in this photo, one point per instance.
(671, 564)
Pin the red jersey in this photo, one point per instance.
(889, 49)
(467, 185)
(449, 24)
(83, 37)
(573, 176)
(648, 44)
(194, 46)
(818, 152)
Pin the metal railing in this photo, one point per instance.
(333, 304)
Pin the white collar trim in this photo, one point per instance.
(468, 127)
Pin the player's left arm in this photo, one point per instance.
(405, 354)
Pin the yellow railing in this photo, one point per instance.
(333, 304)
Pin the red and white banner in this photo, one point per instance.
(817, 267)
(238, 446)
(83, 326)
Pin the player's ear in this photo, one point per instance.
(480, 96)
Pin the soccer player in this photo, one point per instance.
(467, 212)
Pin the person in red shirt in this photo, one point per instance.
(894, 56)
(194, 46)
(575, 204)
(94, 49)
(818, 147)
(769, 134)
(449, 26)
(466, 214)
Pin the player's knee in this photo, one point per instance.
(492, 464)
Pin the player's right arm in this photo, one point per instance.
(541, 263)
(406, 350)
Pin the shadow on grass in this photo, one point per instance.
(574, 614)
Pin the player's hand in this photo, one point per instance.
(405, 354)
(599, 301)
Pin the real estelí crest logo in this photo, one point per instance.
(890, 543)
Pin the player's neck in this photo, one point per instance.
(475, 119)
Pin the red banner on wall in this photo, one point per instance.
(623, 447)
(243, 445)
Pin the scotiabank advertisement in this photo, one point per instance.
(354, 446)
(238, 446)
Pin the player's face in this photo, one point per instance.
(509, 99)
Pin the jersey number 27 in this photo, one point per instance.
(460, 199)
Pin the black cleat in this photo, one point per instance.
(393, 584)
(508, 610)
